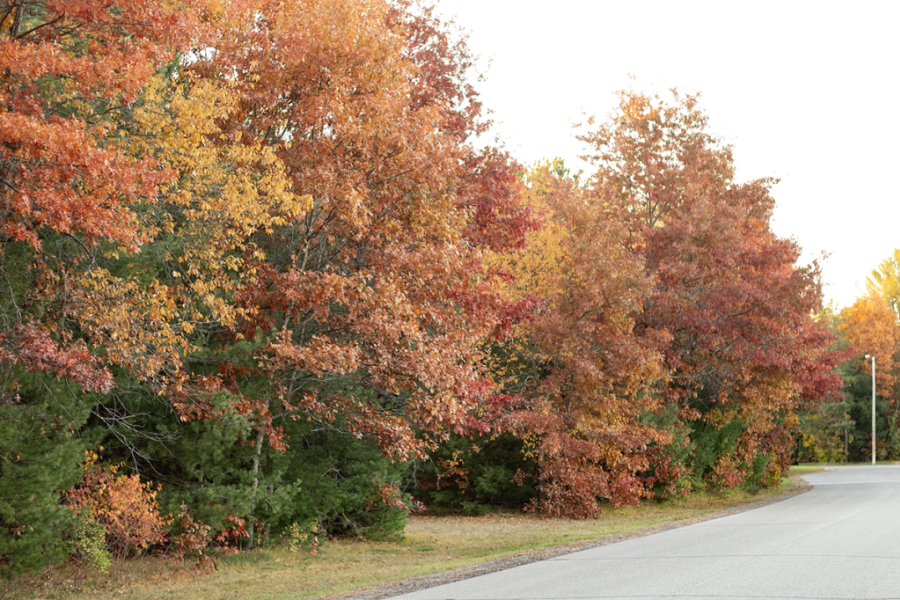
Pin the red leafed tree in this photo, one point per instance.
(488, 186)
(736, 309)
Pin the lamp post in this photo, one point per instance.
(873, 406)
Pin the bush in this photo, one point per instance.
(303, 536)
(343, 483)
(469, 473)
(712, 462)
(89, 545)
(121, 505)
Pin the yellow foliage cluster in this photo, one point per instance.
(885, 281)
(536, 266)
(222, 190)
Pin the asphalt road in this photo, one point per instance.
(839, 540)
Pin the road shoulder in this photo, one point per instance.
(428, 581)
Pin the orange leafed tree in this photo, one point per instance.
(72, 196)
(119, 156)
(68, 67)
(586, 374)
(366, 310)
(870, 326)
(70, 70)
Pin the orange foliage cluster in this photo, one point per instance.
(870, 326)
(66, 63)
(123, 506)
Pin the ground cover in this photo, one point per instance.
(806, 468)
(345, 566)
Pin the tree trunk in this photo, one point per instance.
(251, 530)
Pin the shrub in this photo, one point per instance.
(304, 536)
(468, 473)
(124, 507)
(89, 545)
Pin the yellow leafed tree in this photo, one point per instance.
(145, 309)
(537, 264)
(885, 281)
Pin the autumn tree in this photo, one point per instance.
(827, 429)
(134, 266)
(585, 374)
(870, 327)
(742, 352)
(355, 304)
(64, 179)
(885, 281)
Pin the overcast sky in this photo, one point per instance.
(805, 91)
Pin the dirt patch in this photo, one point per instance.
(427, 581)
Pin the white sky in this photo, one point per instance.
(805, 91)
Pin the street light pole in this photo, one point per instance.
(873, 407)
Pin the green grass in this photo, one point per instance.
(803, 469)
(430, 544)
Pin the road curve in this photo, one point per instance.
(840, 540)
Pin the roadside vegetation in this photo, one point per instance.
(344, 565)
(264, 284)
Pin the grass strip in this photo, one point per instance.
(347, 566)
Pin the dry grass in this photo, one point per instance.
(431, 544)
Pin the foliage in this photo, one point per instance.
(69, 184)
(826, 434)
(670, 465)
(342, 482)
(303, 536)
(40, 456)
(476, 473)
(870, 326)
(578, 362)
(885, 281)
(68, 65)
(730, 310)
(359, 495)
(371, 304)
(189, 536)
(89, 545)
(121, 505)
